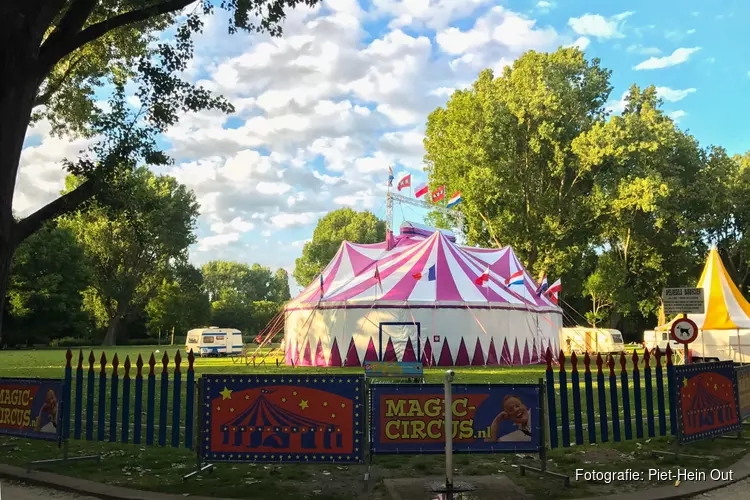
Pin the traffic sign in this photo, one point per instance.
(684, 331)
(683, 301)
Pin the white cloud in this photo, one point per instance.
(211, 242)
(679, 56)
(617, 106)
(599, 26)
(581, 42)
(677, 115)
(646, 51)
(673, 95)
(545, 5)
(291, 220)
(433, 14)
(236, 225)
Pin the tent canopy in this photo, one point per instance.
(725, 306)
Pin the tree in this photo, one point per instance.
(648, 213)
(53, 54)
(506, 144)
(340, 225)
(130, 250)
(180, 302)
(47, 278)
(279, 292)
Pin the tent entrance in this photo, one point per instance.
(400, 342)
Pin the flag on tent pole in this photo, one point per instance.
(430, 276)
(515, 279)
(438, 194)
(554, 290)
(421, 190)
(405, 182)
(483, 278)
(542, 286)
(377, 277)
(321, 286)
(390, 176)
(455, 199)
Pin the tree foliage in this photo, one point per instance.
(57, 55)
(340, 225)
(130, 250)
(47, 278)
(180, 303)
(619, 206)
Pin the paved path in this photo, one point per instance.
(16, 491)
(737, 491)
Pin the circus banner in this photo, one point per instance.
(707, 400)
(409, 418)
(743, 386)
(311, 418)
(30, 407)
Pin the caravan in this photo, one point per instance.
(214, 341)
(583, 339)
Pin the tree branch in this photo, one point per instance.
(55, 48)
(62, 205)
(52, 88)
(71, 23)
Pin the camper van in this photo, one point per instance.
(653, 339)
(214, 341)
(588, 339)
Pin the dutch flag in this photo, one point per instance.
(542, 286)
(455, 199)
(515, 279)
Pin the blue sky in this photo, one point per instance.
(323, 111)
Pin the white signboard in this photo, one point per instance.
(683, 301)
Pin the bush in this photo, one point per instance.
(70, 342)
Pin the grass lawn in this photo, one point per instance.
(161, 469)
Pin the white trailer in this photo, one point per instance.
(214, 341)
(581, 339)
(661, 339)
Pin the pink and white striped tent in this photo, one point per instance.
(352, 314)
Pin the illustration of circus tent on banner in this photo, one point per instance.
(425, 299)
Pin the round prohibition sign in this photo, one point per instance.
(684, 331)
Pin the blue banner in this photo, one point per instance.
(31, 408)
(409, 418)
(707, 400)
(310, 418)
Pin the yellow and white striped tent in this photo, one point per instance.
(725, 323)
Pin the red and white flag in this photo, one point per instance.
(438, 194)
(405, 182)
(421, 191)
(484, 278)
(553, 292)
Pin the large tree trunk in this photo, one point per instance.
(110, 338)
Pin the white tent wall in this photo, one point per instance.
(312, 334)
(724, 345)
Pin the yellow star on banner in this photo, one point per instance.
(226, 393)
(303, 404)
(685, 381)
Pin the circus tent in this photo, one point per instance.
(416, 297)
(725, 323)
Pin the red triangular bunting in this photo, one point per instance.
(307, 356)
(390, 353)
(462, 357)
(427, 359)
(371, 354)
(409, 356)
(492, 354)
(505, 359)
(320, 360)
(445, 355)
(516, 353)
(335, 358)
(526, 356)
(478, 358)
(352, 358)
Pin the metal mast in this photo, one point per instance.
(422, 204)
